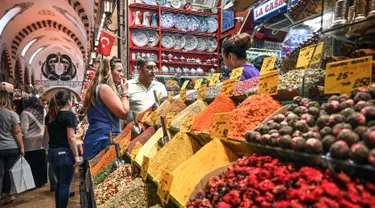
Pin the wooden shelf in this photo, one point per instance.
(163, 8)
(144, 48)
(173, 30)
(192, 52)
(144, 6)
(144, 27)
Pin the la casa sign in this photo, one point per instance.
(268, 8)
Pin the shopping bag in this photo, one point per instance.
(21, 177)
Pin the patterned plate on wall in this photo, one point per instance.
(211, 44)
(202, 44)
(181, 22)
(191, 42)
(203, 24)
(212, 24)
(193, 23)
(168, 40)
(179, 41)
(153, 38)
(140, 37)
(167, 20)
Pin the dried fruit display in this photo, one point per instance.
(292, 79)
(303, 9)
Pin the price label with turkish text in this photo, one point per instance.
(228, 87)
(164, 186)
(170, 117)
(202, 92)
(346, 76)
(268, 64)
(269, 82)
(214, 79)
(152, 118)
(135, 150)
(183, 95)
(220, 125)
(305, 55)
(236, 74)
(318, 54)
(187, 123)
(124, 147)
(198, 83)
(144, 169)
(145, 116)
(170, 96)
(184, 85)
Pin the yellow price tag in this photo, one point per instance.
(268, 64)
(214, 79)
(187, 123)
(170, 117)
(124, 147)
(164, 186)
(152, 118)
(305, 55)
(183, 95)
(318, 54)
(198, 83)
(236, 74)
(184, 85)
(170, 96)
(202, 92)
(145, 116)
(269, 82)
(220, 125)
(159, 95)
(144, 169)
(228, 87)
(135, 150)
(346, 76)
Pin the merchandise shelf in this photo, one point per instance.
(168, 75)
(173, 30)
(144, 27)
(134, 60)
(188, 63)
(170, 9)
(192, 52)
(144, 48)
(144, 6)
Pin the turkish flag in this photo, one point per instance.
(105, 43)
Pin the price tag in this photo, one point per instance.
(214, 79)
(202, 92)
(318, 54)
(228, 87)
(144, 169)
(159, 95)
(124, 147)
(220, 125)
(268, 64)
(305, 55)
(152, 118)
(135, 151)
(164, 186)
(236, 74)
(145, 116)
(187, 123)
(346, 76)
(183, 95)
(184, 85)
(269, 83)
(170, 117)
(170, 96)
(198, 83)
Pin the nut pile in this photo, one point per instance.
(303, 9)
(212, 92)
(292, 79)
(314, 77)
(245, 86)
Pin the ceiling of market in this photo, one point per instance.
(28, 27)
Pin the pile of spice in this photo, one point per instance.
(191, 94)
(250, 113)
(123, 143)
(203, 121)
(245, 86)
(176, 106)
(142, 138)
(175, 152)
(151, 147)
(187, 175)
(97, 158)
(261, 181)
(136, 194)
(124, 133)
(122, 175)
(141, 115)
(292, 79)
(108, 157)
(103, 174)
(197, 107)
(212, 92)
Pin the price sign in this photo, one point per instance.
(269, 82)
(236, 74)
(170, 117)
(214, 79)
(183, 95)
(305, 55)
(202, 92)
(124, 147)
(152, 118)
(184, 85)
(198, 83)
(164, 186)
(170, 96)
(135, 150)
(228, 87)
(318, 54)
(187, 123)
(268, 64)
(346, 76)
(220, 125)
(159, 95)
(144, 169)
(145, 116)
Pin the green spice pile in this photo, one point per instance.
(103, 174)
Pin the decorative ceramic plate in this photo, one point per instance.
(202, 44)
(211, 44)
(163, 2)
(176, 3)
(179, 41)
(212, 24)
(203, 24)
(153, 38)
(140, 37)
(167, 20)
(149, 1)
(167, 41)
(192, 23)
(191, 42)
(181, 22)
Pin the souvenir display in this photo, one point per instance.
(176, 3)
(188, 6)
(168, 41)
(212, 24)
(153, 38)
(137, 16)
(167, 20)
(179, 41)
(202, 44)
(203, 24)
(140, 37)
(154, 22)
(146, 18)
(191, 42)
(181, 22)
(193, 23)
(149, 2)
(211, 44)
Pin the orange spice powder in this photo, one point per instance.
(109, 156)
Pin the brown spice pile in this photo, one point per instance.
(250, 113)
(197, 107)
(178, 150)
(176, 106)
(142, 138)
(187, 175)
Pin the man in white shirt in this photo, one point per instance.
(141, 89)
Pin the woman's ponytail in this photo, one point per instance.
(53, 110)
(60, 99)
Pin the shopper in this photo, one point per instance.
(234, 55)
(32, 125)
(105, 106)
(11, 144)
(62, 152)
(141, 89)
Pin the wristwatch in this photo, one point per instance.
(125, 94)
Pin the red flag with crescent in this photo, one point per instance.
(106, 41)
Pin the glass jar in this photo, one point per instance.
(361, 10)
(341, 13)
(371, 7)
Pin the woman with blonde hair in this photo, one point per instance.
(11, 144)
(105, 106)
(234, 55)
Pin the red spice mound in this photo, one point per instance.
(109, 156)
(124, 133)
(142, 138)
(140, 116)
(250, 113)
(203, 121)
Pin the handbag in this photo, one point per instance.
(21, 177)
